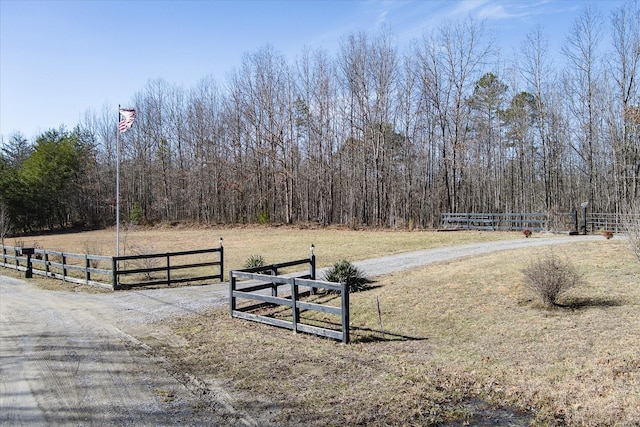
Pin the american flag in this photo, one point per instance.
(127, 116)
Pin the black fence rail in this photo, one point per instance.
(108, 272)
(260, 290)
(509, 221)
(160, 269)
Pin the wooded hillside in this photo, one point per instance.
(371, 134)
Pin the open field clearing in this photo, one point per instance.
(465, 341)
(275, 244)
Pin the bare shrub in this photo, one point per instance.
(631, 223)
(551, 276)
(144, 263)
(93, 248)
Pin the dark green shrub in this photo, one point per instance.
(345, 272)
(263, 217)
(136, 216)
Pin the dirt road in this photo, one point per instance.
(71, 358)
(66, 361)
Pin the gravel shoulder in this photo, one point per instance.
(73, 358)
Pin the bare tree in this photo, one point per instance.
(316, 122)
(451, 60)
(631, 221)
(624, 118)
(487, 152)
(582, 77)
(545, 152)
(374, 135)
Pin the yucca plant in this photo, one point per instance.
(345, 272)
(254, 261)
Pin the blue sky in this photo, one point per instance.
(59, 59)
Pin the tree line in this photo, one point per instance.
(369, 135)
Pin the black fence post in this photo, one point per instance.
(29, 271)
(232, 299)
(312, 267)
(87, 266)
(114, 272)
(584, 217)
(345, 313)
(168, 270)
(295, 311)
(221, 259)
(64, 267)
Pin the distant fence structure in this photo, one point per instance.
(597, 221)
(257, 285)
(509, 221)
(592, 222)
(107, 271)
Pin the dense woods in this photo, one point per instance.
(372, 134)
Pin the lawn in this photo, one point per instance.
(274, 244)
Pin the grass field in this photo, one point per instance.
(465, 342)
(275, 244)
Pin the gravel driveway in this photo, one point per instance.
(71, 358)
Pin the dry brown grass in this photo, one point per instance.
(465, 341)
(275, 244)
(461, 337)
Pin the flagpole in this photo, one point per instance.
(118, 185)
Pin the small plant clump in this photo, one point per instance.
(136, 216)
(145, 263)
(631, 221)
(550, 277)
(254, 261)
(345, 272)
